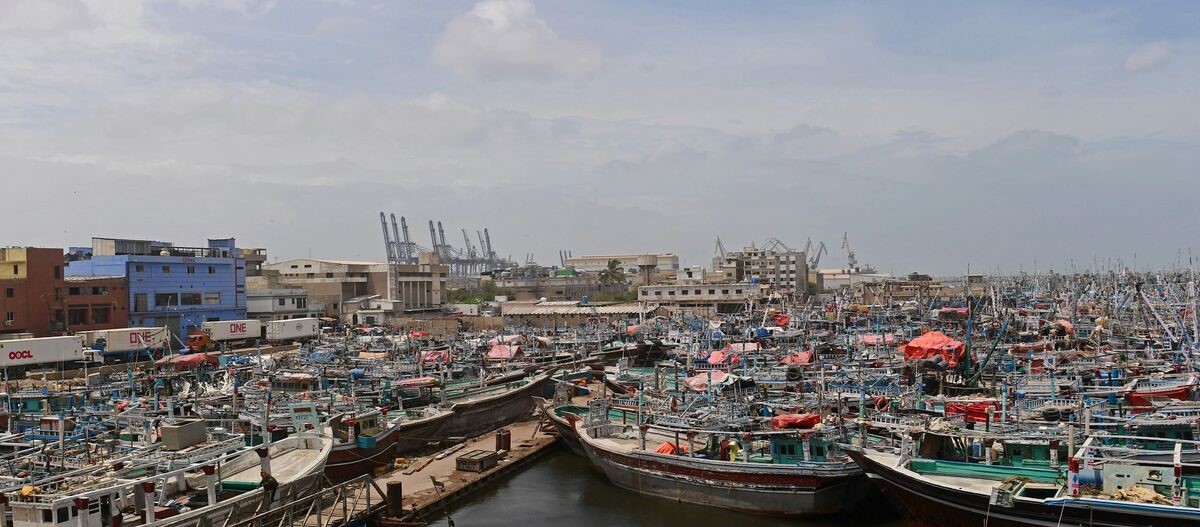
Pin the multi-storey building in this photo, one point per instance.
(785, 271)
(335, 283)
(175, 287)
(31, 291)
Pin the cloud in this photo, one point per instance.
(505, 39)
(338, 24)
(1149, 56)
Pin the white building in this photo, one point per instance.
(628, 262)
(280, 304)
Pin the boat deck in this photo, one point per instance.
(286, 467)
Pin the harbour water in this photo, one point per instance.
(562, 489)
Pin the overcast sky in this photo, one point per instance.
(937, 134)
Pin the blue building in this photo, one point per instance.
(177, 287)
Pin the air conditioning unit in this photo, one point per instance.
(7, 323)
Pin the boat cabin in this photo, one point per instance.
(360, 428)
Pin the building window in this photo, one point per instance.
(97, 291)
(16, 269)
(166, 300)
(281, 301)
(645, 293)
(57, 272)
(724, 291)
(100, 314)
(10, 316)
(138, 268)
(658, 293)
(166, 269)
(77, 315)
(190, 299)
(301, 303)
(212, 298)
(191, 269)
(8, 292)
(683, 292)
(712, 291)
(739, 291)
(328, 275)
(139, 302)
(306, 266)
(74, 291)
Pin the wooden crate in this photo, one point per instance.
(476, 461)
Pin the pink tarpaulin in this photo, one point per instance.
(784, 421)
(933, 344)
(699, 383)
(804, 357)
(436, 357)
(717, 357)
(502, 352)
(506, 340)
(741, 347)
(875, 340)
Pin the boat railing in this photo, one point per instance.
(206, 452)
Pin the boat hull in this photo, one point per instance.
(932, 504)
(348, 460)
(756, 489)
(472, 418)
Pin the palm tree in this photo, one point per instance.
(613, 274)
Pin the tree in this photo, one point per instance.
(613, 274)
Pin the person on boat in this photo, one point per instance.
(269, 485)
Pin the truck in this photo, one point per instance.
(19, 353)
(293, 330)
(227, 333)
(128, 343)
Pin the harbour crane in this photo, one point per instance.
(387, 240)
(816, 257)
(850, 258)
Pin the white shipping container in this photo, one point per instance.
(296, 328)
(133, 339)
(223, 330)
(25, 352)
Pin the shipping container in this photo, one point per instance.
(49, 350)
(223, 330)
(128, 339)
(294, 329)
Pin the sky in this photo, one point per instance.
(1005, 136)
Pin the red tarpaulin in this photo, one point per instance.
(933, 344)
(974, 412)
(784, 421)
(190, 360)
(669, 448)
(782, 320)
(1143, 398)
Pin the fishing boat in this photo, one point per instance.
(779, 473)
(1092, 488)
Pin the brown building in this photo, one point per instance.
(94, 303)
(31, 291)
